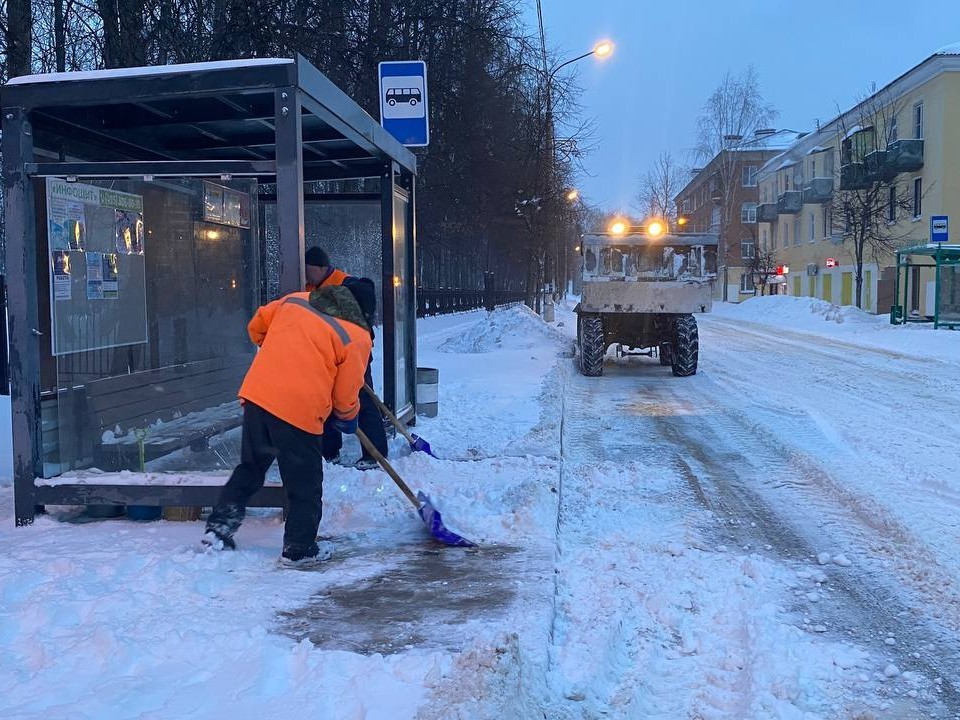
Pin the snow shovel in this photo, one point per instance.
(428, 513)
(417, 443)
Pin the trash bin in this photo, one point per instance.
(428, 391)
(896, 314)
(548, 312)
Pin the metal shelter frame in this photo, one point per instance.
(280, 121)
(938, 256)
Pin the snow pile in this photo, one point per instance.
(516, 327)
(799, 318)
(797, 311)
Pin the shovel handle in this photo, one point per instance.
(386, 411)
(387, 468)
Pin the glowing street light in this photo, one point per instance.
(655, 228)
(603, 49)
(618, 227)
(572, 195)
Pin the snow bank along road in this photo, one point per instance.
(772, 538)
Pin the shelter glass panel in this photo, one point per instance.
(402, 298)
(150, 286)
(949, 294)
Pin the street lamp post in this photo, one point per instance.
(601, 50)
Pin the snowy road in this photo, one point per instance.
(795, 447)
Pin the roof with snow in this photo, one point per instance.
(206, 112)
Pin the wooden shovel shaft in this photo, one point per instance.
(387, 468)
(386, 411)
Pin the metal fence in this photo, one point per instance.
(445, 301)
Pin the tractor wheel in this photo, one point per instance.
(664, 353)
(593, 345)
(686, 347)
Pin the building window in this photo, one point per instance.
(813, 228)
(893, 129)
(796, 231)
(892, 205)
(917, 197)
(828, 163)
(748, 212)
(686, 206)
(746, 283)
(813, 167)
(747, 249)
(784, 232)
(749, 176)
(827, 222)
(918, 120)
(764, 240)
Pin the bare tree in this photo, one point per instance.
(871, 200)
(19, 37)
(659, 186)
(726, 126)
(763, 266)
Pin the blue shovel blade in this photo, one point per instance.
(421, 445)
(431, 516)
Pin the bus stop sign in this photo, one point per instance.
(939, 229)
(403, 101)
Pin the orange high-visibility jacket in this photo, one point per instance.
(336, 277)
(309, 364)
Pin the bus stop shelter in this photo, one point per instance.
(149, 212)
(914, 264)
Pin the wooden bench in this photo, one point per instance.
(192, 402)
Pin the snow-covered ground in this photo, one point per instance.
(774, 538)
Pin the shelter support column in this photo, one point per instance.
(289, 139)
(387, 305)
(411, 277)
(22, 288)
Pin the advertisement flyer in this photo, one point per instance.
(111, 276)
(129, 232)
(94, 275)
(61, 275)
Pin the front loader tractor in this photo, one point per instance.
(641, 289)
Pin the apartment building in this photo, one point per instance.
(722, 197)
(895, 156)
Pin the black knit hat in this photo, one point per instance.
(316, 256)
(365, 293)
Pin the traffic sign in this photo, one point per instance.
(403, 101)
(831, 262)
(938, 228)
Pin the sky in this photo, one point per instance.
(670, 56)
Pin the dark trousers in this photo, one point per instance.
(370, 421)
(298, 454)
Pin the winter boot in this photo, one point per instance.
(310, 559)
(214, 541)
(366, 463)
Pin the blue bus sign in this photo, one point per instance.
(403, 101)
(939, 228)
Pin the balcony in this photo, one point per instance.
(877, 167)
(818, 191)
(905, 155)
(853, 176)
(767, 212)
(790, 202)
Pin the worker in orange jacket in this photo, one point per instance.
(320, 273)
(314, 348)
